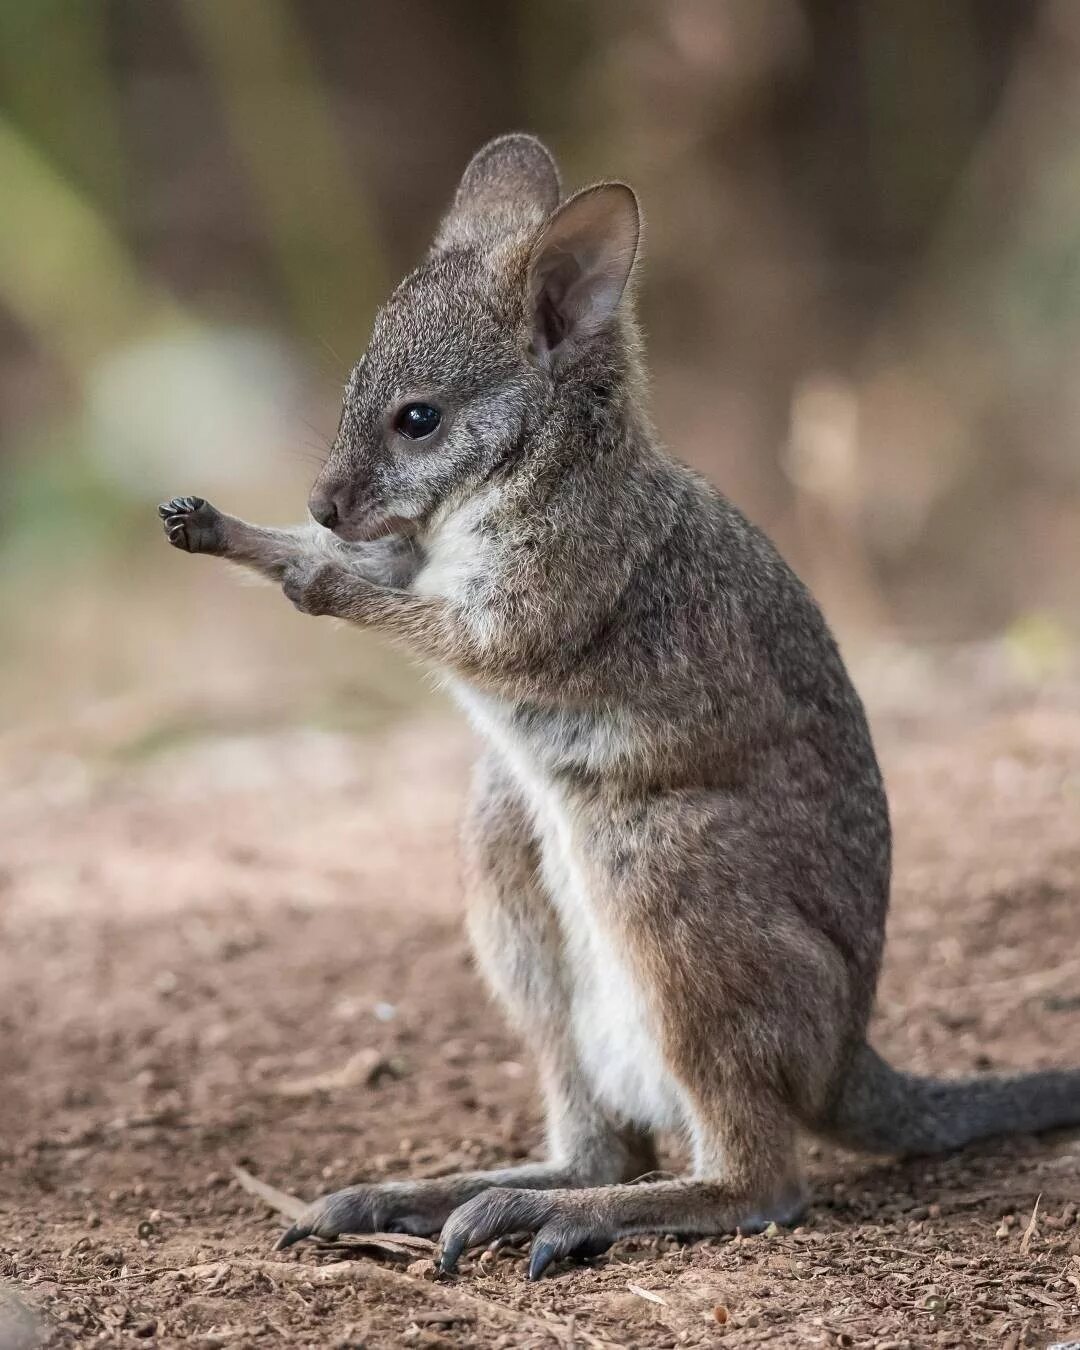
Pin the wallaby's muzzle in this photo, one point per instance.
(336, 508)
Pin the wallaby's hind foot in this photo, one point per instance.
(394, 1207)
(573, 1225)
(418, 1207)
(193, 525)
(561, 1228)
(747, 1178)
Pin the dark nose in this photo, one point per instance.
(325, 511)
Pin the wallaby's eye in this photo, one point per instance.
(417, 420)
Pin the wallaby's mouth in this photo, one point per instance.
(374, 527)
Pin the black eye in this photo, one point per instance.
(417, 420)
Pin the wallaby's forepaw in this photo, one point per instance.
(309, 584)
(386, 1208)
(193, 525)
(562, 1226)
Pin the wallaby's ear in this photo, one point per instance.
(512, 181)
(580, 264)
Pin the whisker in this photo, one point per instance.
(311, 454)
(316, 431)
(342, 368)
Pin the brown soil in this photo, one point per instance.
(247, 950)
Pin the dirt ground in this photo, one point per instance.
(245, 949)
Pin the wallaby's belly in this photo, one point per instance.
(611, 1023)
(613, 1027)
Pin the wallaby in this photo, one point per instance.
(678, 845)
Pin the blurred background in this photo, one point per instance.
(861, 293)
(228, 875)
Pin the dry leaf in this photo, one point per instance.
(402, 1245)
(646, 1293)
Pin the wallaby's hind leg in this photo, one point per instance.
(746, 1177)
(517, 941)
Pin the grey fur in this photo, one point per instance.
(678, 849)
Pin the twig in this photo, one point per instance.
(288, 1206)
(1029, 1231)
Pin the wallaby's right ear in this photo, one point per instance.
(580, 264)
(511, 181)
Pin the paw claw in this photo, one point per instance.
(540, 1257)
(452, 1249)
(564, 1238)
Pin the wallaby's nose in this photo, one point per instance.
(324, 509)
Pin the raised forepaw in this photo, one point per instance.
(192, 524)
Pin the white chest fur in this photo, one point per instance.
(455, 552)
(611, 1022)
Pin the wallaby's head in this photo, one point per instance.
(511, 319)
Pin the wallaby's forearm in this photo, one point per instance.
(196, 526)
(265, 550)
(323, 576)
(426, 625)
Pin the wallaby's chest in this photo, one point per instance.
(455, 552)
(612, 1021)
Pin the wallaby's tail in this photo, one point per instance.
(881, 1110)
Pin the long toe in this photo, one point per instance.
(565, 1237)
(356, 1209)
(296, 1233)
(561, 1228)
(492, 1214)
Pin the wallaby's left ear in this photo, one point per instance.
(580, 264)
